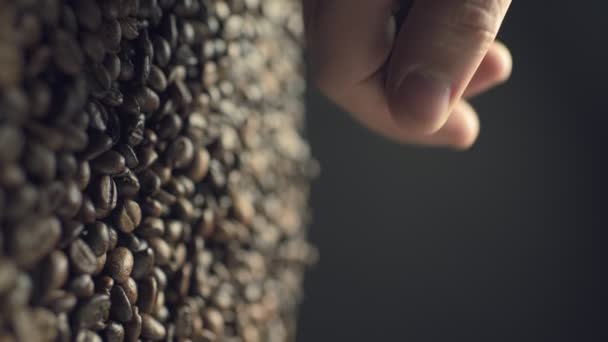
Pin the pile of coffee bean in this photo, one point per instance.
(153, 175)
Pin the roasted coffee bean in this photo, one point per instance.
(112, 64)
(157, 79)
(133, 327)
(180, 153)
(72, 201)
(110, 162)
(33, 239)
(147, 156)
(162, 51)
(148, 99)
(55, 270)
(100, 264)
(150, 182)
(121, 309)
(67, 166)
(134, 130)
(129, 27)
(98, 238)
(120, 264)
(162, 251)
(40, 96)
(35, 325)
(130, 287)
(143, 263)
(93, 312)
(128, 217)
(82, 286)
(11, 143)
(98, 144)
(87, 210)
(169, 126)
(127, 185)
(60, 301)
(113, 97)
(151, 328)
(8, 275)
(114, 332)
(87, 336)
(104, 284)
(40, 162)
(82, 258)
(104, 195)
(67, 53)
(181, 94)
(142, 69)
(151, 227)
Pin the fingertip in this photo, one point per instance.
(462, 129)
(501, 62)
(419, 103)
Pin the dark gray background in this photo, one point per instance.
(505, 242)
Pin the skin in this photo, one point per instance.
(411, 86)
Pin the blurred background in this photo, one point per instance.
(505, 242)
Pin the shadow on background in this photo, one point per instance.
(505, 242)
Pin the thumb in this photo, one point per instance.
(436, 53)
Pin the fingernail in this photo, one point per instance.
(422, 98)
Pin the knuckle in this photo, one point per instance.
(478, 21)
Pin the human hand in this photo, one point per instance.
(411, 86)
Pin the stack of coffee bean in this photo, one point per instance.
(153, 176)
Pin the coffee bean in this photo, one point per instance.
(134, 130)
(130, 288)
(143, 263)
(93, 312)
(35, 325)
(82, 286)
(151, 328)
(67, 166)
(98, 144)
(128, 217)
(169, 126)
(40, 162)
(127, 185)
(150, 183)
(180, 153)
(157, 79)
(72, 201)
(60, 301)
(87, 336)
(162, 250)
(133, 327)
(113, 97)
(114, 332)
(33, 239)
(110, 162)
(147, 156)
(121, 309)
(82, 257)
(87, 210)
(200, 166)
(151, 227)
(55, 270)
(66, 53)
(83, 175)
(104, 196)
(142, 69)
(100, 263)
(11, 143)
(214, 321)
(112, 64)
(98, 238)
(129, 27)
(162, 51)
(120, 264)
(104, 284)
(8, 275)
(148, 99)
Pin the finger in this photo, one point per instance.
(351, 41)
(494, 69)
(438, 49)
(459, 132)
